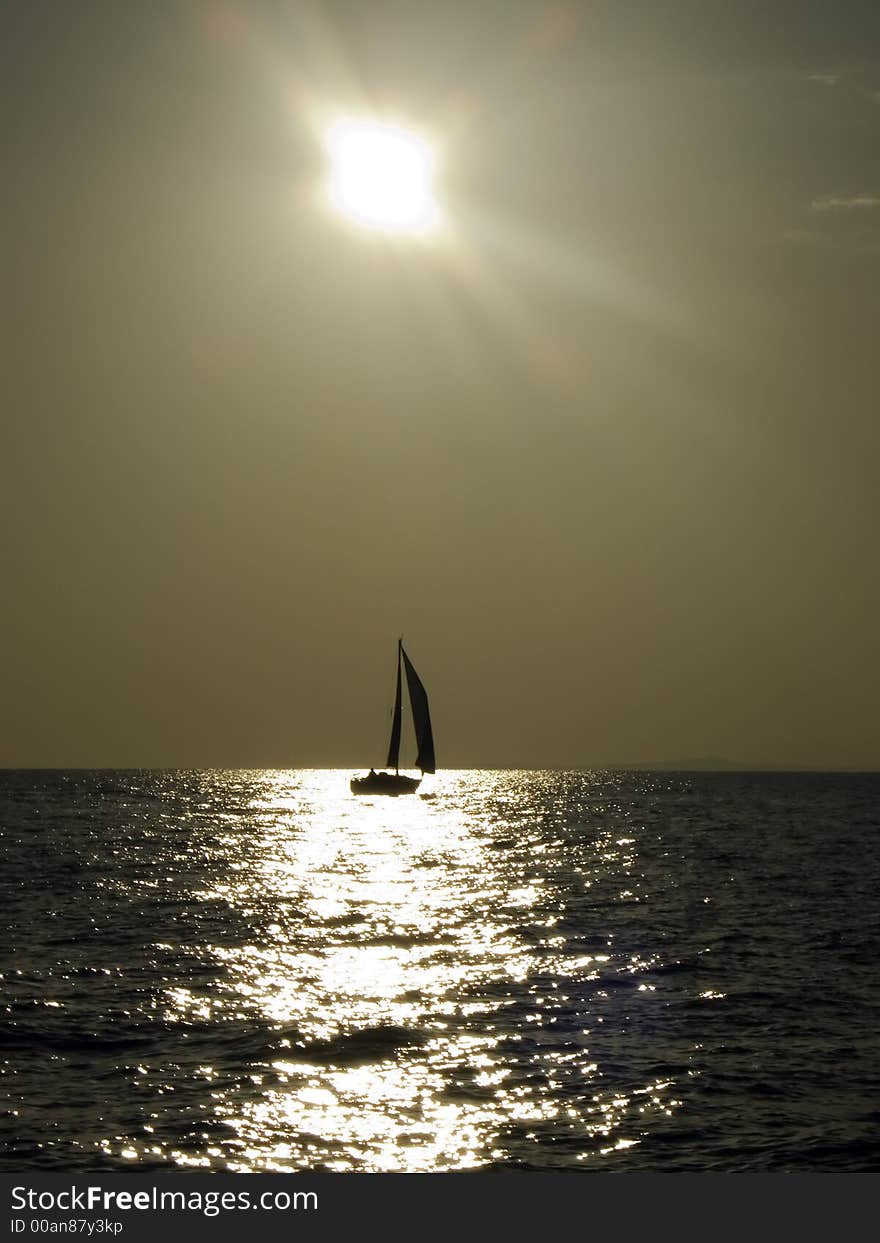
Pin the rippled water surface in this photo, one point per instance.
(259, 971)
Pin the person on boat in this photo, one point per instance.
(372, 772)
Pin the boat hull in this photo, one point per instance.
(385, 783)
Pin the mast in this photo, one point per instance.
(394, 744)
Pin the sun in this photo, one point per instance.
(381, 177)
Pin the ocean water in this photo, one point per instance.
(257, 971)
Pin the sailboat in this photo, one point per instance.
(394, 783)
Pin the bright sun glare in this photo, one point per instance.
(381, 177)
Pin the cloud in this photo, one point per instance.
(856, 83)
(855, 202)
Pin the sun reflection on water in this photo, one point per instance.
(533, 971)
(414, 986)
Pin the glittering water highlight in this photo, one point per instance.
(258, 971)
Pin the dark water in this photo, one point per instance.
(257, 971)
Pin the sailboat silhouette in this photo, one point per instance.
(394, 783)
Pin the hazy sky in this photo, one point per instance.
(606, 454)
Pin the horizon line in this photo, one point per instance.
(656, 767)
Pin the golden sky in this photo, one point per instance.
(604, 449)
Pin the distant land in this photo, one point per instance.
(718, 764)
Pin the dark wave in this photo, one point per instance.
(369, 1044)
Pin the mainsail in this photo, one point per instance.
(418, 700)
